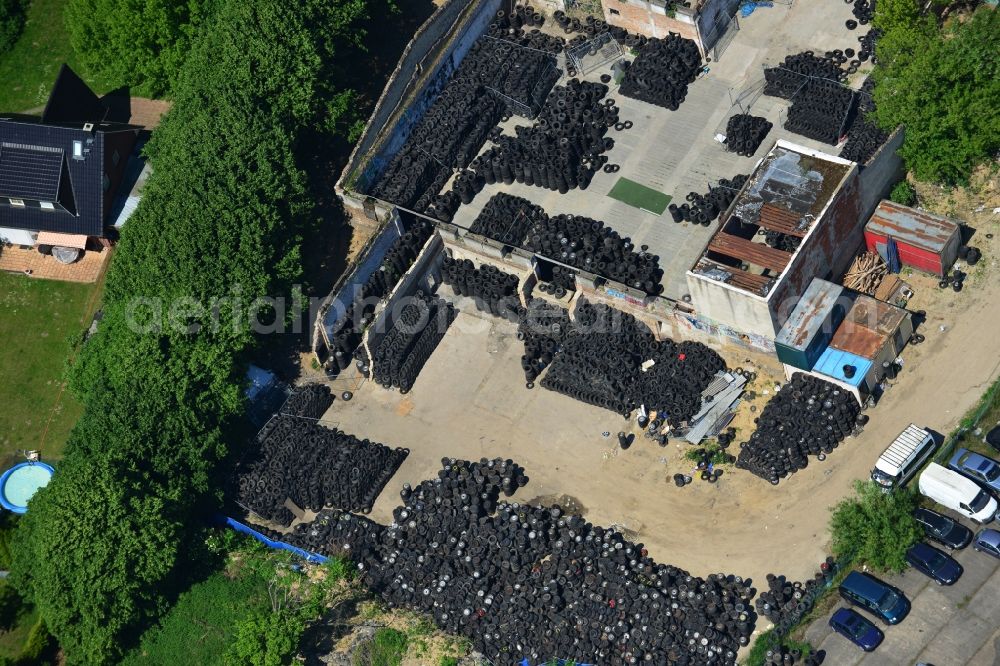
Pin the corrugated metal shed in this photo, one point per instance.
(925, 241)
(811, 325)
(832, 362)
(870, 326)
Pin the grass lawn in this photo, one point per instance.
(37, 318)
(640, 196)
(28, 71)
(12, 641)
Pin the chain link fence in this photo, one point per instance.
(966, 432)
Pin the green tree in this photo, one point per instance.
(102, 551)
(943, 87)
(903, 193)
(266, 639)
(12, 15)
(875, 527)
(139, 43)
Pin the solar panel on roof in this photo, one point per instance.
(28, 172)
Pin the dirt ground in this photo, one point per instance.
(470, 402)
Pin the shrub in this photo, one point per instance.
(903, 194)
(875, 527)
(12, 15)
(38, 643)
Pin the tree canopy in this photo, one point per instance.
(875, 527)
(942, 85)
(220, 225)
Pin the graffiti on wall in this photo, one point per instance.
(708, 327)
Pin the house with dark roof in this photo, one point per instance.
(60, 172)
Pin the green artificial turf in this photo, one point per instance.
(640, 196)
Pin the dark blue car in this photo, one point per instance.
(881, 599)
(855, 628)
(978, 468)
(931, 562)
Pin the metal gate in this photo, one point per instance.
(722, 34)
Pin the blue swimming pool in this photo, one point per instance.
(21, 482)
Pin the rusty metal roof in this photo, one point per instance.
(875, 315)
(812, 311)
(912, 227)
(757, 254)
(757, 284)
(858, 339)
(776, 218)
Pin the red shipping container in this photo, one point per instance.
(926, 242)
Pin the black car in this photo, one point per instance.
(930, 561)
(946, 531)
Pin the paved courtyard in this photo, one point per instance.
(675, 152)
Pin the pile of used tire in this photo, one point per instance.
(562, 149)
(781, 655)
(494, 291)
(703, 209)
(415, 334)
(524, 73)
(745, 133)
(867, 41)
(542, 328)
(526, 582)
(507, 219)
(864, 137)
(808, 416)
(864, 11)
(563, 281)
(591, 246)
(661, 71)
(589, 26)
(511, 26)
(599, 362)
(787, 78)
(780, 241)
(315, 467)
(819, 110)
(398, 259)
(785, 602)
(310, 401)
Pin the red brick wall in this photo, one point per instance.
(642, 19)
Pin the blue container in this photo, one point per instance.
(20, 483)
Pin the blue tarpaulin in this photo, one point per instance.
(271, 543)
(892, 255)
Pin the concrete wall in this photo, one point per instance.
(825, 253)
(337, 304)
(730, 306)
(880, 173)
(424, 274)
(645, 18)
(423, 71)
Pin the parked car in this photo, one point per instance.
(941, 568)
(907, 454)
(946, 531)
(957, 492)
(977, 467)
(856, 628)
(879, 598)
(987, 541)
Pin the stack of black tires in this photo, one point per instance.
(507, 219)
(525, 582)
(785, 602)
(520, 26)
(315, 467)
(745, 133)
(591, 246)
(807, 417)
(310, 401)
(494, 291)
(346, 339)
(780, 241)
(704, 209)
(416, 331)
(563, 148)
(661, 71)
(599, 361)
(788, 77)
(820, 110)
(864, 136)
(543, 328)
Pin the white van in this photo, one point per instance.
(898, 463)
(958, 493)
